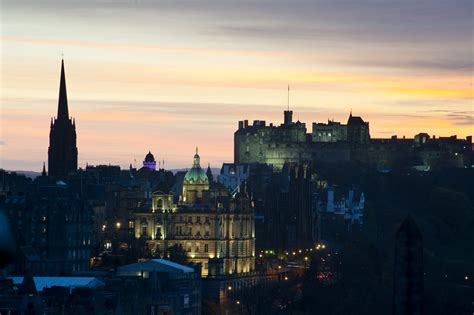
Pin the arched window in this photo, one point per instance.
(159, 203)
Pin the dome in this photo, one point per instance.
(196, 174)
(149, 157)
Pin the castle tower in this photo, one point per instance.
(62, 151)
(288, 117)
(408, 270)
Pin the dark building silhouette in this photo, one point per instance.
(62, 152)
(408, 270)
(209, 173)
(357, 130)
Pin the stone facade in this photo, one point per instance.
(335, 142)
(209, 225)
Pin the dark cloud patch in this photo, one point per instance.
(461, 120)
(457, 117)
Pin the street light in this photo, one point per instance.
(229, 288)
(118, 225)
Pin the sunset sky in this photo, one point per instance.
(168, 76)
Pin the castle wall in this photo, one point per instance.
(336, 142)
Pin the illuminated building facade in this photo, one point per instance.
(212, 227)
(336, 142)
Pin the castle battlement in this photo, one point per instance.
(338, 142)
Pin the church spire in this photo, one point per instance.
(43, 173)
(63, 112)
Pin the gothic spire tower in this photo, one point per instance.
(62, 152)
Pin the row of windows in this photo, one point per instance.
(179, 231)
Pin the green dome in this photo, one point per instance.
(196, 174)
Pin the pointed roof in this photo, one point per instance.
(209, 172)
(357, 120)
(28, 285)
(43, 173)
(409, 229)
(63, 111)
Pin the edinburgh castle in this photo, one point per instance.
(336, 142)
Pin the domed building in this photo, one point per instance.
(195, 182)
(213, 228)
(149, 161)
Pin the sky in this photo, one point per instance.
(167, 76)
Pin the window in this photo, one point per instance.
(143, 230)
(131, 224)
(206, 248)
(198, 219)
(197, 247)
(159, 203)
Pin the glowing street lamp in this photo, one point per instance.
(118, 225)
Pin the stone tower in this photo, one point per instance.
(62, 152)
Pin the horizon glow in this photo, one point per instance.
(167, 76)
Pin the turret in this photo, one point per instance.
(209, 173)
(288, 115)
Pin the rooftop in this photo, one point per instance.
(162, 265)
(69, 282)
